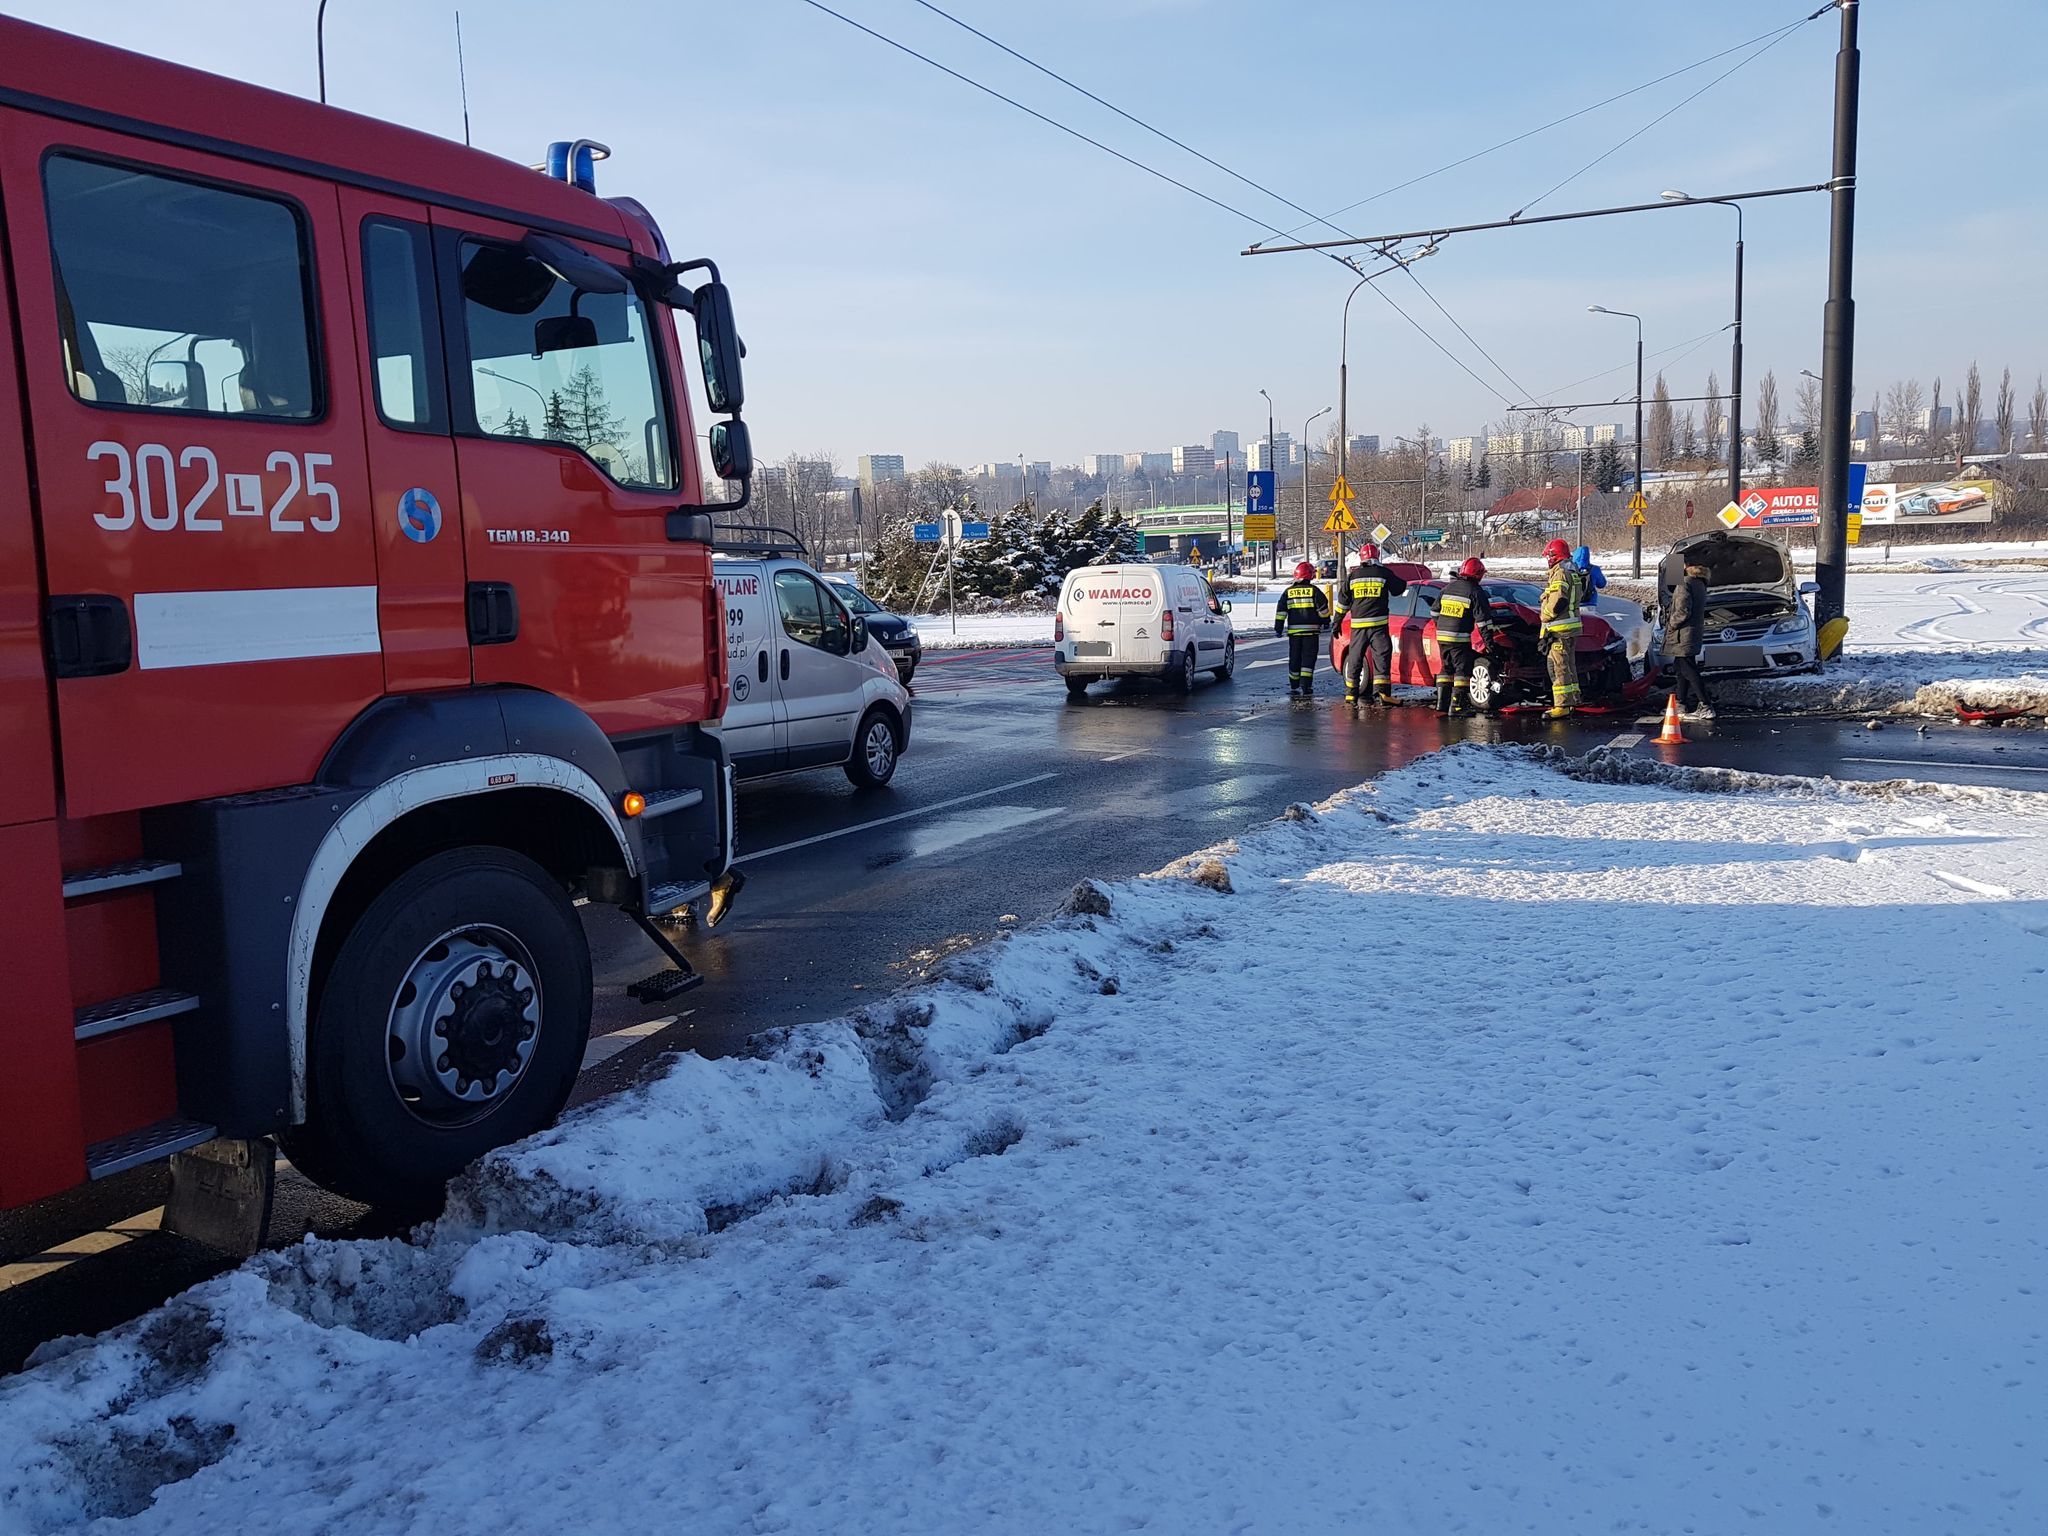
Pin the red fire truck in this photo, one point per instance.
(356, 619)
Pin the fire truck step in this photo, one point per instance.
(661, 801)
(117, 1154)
(126, 1012)
(664, 899)
(663, 985)
(118, 877)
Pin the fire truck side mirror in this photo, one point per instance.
(687, 525)
(718, 344)
(732, 450)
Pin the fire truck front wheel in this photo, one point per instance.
(453, 1020)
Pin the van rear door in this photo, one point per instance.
(1113, 613)
(204, 505)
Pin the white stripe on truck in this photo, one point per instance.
(211, 629)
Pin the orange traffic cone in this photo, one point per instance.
(1673, 736)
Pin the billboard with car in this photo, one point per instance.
(1925, 502)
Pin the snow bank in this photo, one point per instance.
(1903, 683)
(1653, 1158)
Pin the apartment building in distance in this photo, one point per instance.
(1193, 459)
(873, 469)
(1281, 456)
(1221, 443)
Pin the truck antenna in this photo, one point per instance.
(462, 77)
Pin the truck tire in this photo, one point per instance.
(876, 746)
(1183, 676)
(453, 1020)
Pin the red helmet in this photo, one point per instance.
(1556, 551)
(1472, 569)
(1305, 571)
(1368, 550)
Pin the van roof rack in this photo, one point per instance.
(740, 539)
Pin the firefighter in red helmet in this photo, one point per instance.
(1303, 614)
(1461, 614)
(1366, 588)
(1558, 635)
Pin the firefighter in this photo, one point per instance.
(1461, 614)
(1366, 590)
(1303, 614)
(1563, 593)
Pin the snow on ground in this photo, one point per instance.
(1650, 1158)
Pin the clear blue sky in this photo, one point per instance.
(920, 269)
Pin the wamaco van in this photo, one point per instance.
(810, 687)
(1160, 621)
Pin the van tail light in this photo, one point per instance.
(1059, 626)
(1166, 625)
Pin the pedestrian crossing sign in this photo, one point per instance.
(1341, 491)
(1340, 519)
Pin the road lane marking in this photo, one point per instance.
(1923, 762)
(1627, 739)
(606, 1046)
(1136, 752)
(883, 821)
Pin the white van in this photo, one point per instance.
(811, 688)
(1140, 621)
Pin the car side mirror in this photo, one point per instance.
(174, 381)
(860, 636)
(1808, 588)
(732, 450)
(719, 347)
(1223, 606)
(686, 525)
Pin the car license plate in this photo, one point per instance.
(1735, 657)
(1091, 647)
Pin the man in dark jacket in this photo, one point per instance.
(1684, 633)
(1366, 590)
(1462, 611)
(1303, 614)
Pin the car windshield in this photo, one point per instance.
(856, 599)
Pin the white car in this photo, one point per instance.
(810, 687)
(1136, 620)
(1757, 619)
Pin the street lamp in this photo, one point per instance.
(502, 378)
(1601, 309)
(1735, 367)
(1344, 349)
(1306, 456)
(1274, 547)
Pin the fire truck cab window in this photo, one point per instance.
(398, 266)
(176, 295)
(550, 362)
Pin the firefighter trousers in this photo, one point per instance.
(1562, 655)
(1376, 645)
(1454, 673)
(1301, 657)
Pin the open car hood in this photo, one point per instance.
(1733, 561)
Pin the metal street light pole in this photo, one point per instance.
(1734, 367)
(1838, 349)
(1598, 309)
(1306, 459)
(1274, 548)
(320, 45)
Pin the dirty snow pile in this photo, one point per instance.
(1903, 682)
(1516, 1145)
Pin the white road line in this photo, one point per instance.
(604, 1047)
(1922, 762)
(883, 821)
(1137, 752)
(1627, 739)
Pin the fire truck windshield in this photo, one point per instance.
(554, 363)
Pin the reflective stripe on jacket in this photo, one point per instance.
(1303, 608)
(1366, 591)
(1562, 595)
(1460, 609)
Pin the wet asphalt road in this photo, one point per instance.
(1007, 796)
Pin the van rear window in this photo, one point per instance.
(179, 295)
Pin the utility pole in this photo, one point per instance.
(1226, 507)
(1273, 549)
(1307, 461)
(1636, 570)
(1838, 351)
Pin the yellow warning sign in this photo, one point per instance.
(1341, 491)
(1855, 527)
(1636, 519)
(1340, 519)
(1638, 503)
(1260, 527)
(1731, 515)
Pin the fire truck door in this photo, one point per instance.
(569, 460)
(413, 492)
(187, 340)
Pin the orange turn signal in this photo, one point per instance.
(634, 803)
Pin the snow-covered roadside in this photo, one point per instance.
(1903, 682)
(1654, 1159)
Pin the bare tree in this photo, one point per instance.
(1687, 436)
(808, 498)
(938, 487)
(2002, 413)
(1715, 415)
(1767, 447)
(1807, 401)
(1657, 443)
(1969, 413)
(1900, 416)
(2037, 417)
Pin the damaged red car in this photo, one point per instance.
(1507, 668)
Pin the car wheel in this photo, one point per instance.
(1077, 689)
(875, 749)
(1184, 674)
(453, 1020)
(1484, 684)
(905, 671)
(1229, 660)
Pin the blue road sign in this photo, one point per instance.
(1858, 475)
(974, 530)
(927, 533)
(1258, 490)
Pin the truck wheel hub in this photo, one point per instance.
(463, 1025)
